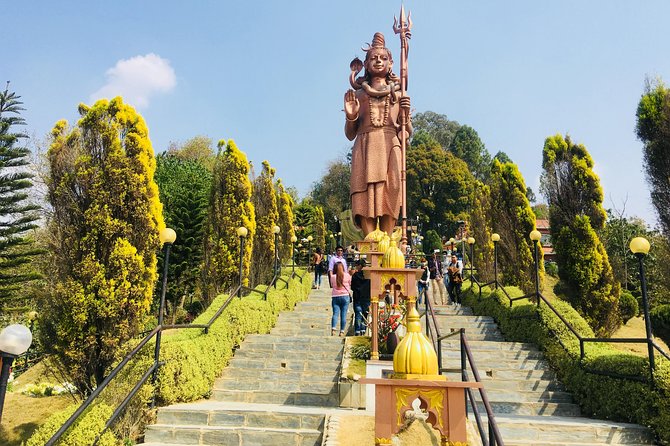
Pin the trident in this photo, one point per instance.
(403, 29)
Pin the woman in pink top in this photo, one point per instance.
(340, 281)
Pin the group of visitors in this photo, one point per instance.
(441, 282)
(347, 287)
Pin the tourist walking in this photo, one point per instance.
(455, 271)
(340, 281)
(423, 282)
(360, 286)
(436, 289)
(337, 258)
(317, 258)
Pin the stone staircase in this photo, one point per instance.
(531, 407)
(277, 389)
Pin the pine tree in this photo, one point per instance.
(265, 206)
(513, 219)
(286, 221)
(576, 214)
(229, 208)
(184, 186)
(104, 225)
(17, 214)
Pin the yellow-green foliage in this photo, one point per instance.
(481, 230)
(265, 206)
(634, 401)
(192, 358)
(82, 433)
(513, 218)
(319, 226)
(229, 208)
(104, 225)
(576, 213)
(286, 220)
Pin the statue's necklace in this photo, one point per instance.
(375, 118)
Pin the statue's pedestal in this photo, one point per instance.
(443, 401)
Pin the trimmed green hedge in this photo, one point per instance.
(193, 360)
(633, 401)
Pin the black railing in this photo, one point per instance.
(236, 292)
(538, 298)
(490, 435)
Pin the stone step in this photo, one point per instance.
(277, 385)
(524, 396)
(166, 434)
(327, 341)
(487, 358)
(289, 355)
(319, 333)
(520, 430)
(213, 414)
(267, 397)
(486, 345)
(535, 385)
(530, 408)
(504, 374)
(277, 375)
(271, 363)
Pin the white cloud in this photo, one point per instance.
(137, 79)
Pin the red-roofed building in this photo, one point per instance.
(547, 248)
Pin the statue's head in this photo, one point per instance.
(378, 58)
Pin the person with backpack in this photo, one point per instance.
(317, 261)
(360, 286)
(455, 271)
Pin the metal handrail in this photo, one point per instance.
(581, 339)
(153, 368)
(494, 438)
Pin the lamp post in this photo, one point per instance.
(471, 242)
(451, 242)
(167, 237)
(309, 250)
(14, 341)
(495, 238)
(535, 236)
(293, 240)
(242, 234)
(275, 231)
(339, 237)
(330, 243)
(640, 247)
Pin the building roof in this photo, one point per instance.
(542, 224)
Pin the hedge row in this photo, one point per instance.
(193, 360)
(634, 401)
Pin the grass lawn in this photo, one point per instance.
(23, 414)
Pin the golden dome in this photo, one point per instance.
(375, 236)
(384, 243)
(393, 257)
(415, 357)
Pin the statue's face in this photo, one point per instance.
(378, 62)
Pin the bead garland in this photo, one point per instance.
(376, 122)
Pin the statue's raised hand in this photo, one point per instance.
(351, 105)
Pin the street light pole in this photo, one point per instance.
(242, 233)
(495, 238)
(640, 247)
(471, 242)
(14, 341)
(275, 230)
(293, 240)
(535, 236)
(167, 237)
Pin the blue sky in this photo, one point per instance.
(271, 75)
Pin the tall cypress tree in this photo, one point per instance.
(265, 206)
(105, 223)
(17, 214)
(286, 221)
(229, 208)
(576, 214)
(513, 218)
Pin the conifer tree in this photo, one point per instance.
(17, 214)
(576, 214)
(481, 230)
(286, 221)
(105, 220)
(513, 218)
(184, 186)
(229, 208)
(319, 225)
(265, 207)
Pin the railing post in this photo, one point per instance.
(581, 349)
(535, 236)
(464, 376)
(374, 349)
(425, 298)
(647, 320)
